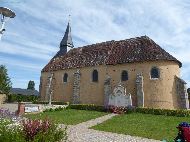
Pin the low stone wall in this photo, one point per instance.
(2, 98)
(24, 108)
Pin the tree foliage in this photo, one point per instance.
(5, 82)
(31, 85)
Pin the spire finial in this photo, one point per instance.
(69, 18)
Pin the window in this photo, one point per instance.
(124, 76)
(65, 77)
(95, 76)
(155, 73)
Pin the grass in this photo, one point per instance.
(157, 127)
(67, 116)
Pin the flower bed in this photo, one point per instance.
(29, 130)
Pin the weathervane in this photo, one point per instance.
(5, 14)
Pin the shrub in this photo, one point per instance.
(59, 108)
(40, 102)
(121, 109)
(31, 131)
(167, 112)
(53, 103)
(10, 134)
(28, 130)
(6, 114)
(42, 130)
(117, 109)
(86, 107)
(23, 98)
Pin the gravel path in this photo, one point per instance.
(82, 133)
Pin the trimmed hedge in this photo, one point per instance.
(129, 109)
(79, 107)
(40, 102)
(87, 107)
(56, 109)
(53, 103)
(167, 112)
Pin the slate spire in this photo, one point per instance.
(67, 43)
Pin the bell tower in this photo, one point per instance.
(66, 43)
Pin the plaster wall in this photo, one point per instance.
(158, 93)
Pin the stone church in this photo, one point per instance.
(135, 71)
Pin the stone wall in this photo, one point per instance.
(182, 93)
(107, 90)
(76, 88)
(158, 93)
(140, 91)
(2, 98)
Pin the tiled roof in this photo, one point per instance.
(24, 91)
(131, 50)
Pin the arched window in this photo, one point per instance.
(124, 76)
(65, 77)
(155, 73)
(95, 76)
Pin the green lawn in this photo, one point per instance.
(144, 125)
(67, 116)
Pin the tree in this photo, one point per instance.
(5, 82)
(31, 85)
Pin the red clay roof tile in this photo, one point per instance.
(137, 49)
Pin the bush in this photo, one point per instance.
(117, 109)
(10, 134)
(6, 114)
(167, 112)
(22, 98)
(53, 103)
(28, 130)
(42, 130)
(54, 109)
(86, 107)
(31, 131)
(40, 102)
(121, 109)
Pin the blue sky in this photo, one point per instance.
(32, 38)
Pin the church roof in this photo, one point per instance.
(131, 50)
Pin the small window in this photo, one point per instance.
(65, 77)
(95, 76)
(155, 73)
(124, 76)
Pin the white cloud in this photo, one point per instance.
(27, 49)
(39, 26)
(21, 64)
